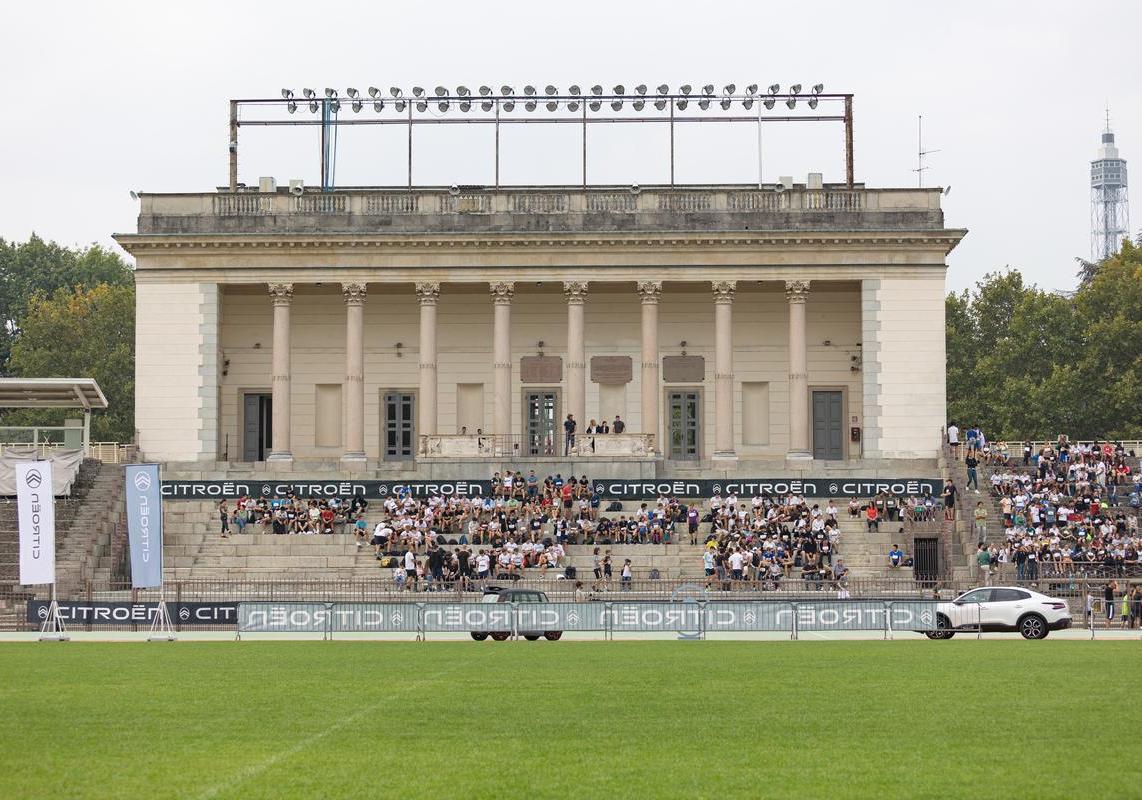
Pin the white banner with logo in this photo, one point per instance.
(37, 513)
(145, 525)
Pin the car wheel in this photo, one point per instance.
(479, 637)
(943, 629)
(1033, 626)
(553, 636)
(531, 637)
(500, 636)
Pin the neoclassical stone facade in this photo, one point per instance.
(719, 323)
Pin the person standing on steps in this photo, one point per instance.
(980, 516)
(971, 462)
(949, 500)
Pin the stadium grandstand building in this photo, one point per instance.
(432, 329)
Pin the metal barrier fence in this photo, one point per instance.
(211, 604)
(691, 619)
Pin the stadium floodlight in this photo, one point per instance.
(660, 104)
(795, 89)
(751, 89)
(485, 91)
(684, 88)
(330, 93)
(395, 92)
(418, 91)
(663, 89)
(639, 104)
(352, 93)
(725, 104)
(529, 91)
(774, 88)
(595, 105)
(550, 90)
(792, 101)
(708, 89)
(421, 106)
(616, 104)
(552, 105)
(374, 92)
(509, 105)
(356, 105)
(640, 89)
(574, 90)
(818, 88)
(442, 105)
(729, 89)
(769, 101)
(378, 105)
(291, 106)
(530, 105)
(463, 91)
(335, 106)
(441, 91)
(399, 105)
(704, 103)
(287, 94)
(813, 101)
(682, 104)
(507, 91)
(747, 103)
(308, 94)
(312, 106)
(596, 89)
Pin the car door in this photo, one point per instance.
(1006, 606)
(968, 609)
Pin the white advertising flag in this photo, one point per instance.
(37, 511)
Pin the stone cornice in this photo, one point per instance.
(147, 244)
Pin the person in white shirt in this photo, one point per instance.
(410, 570)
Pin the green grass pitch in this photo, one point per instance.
(570, 719)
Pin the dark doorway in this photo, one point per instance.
(257, 426)
(926, 555)
(828, 425)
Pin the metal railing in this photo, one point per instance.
(107, 452)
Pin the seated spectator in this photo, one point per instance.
(895, 556)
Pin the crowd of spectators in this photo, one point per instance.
(1064, 509)
(766, 540)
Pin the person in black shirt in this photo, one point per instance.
(971, 462)
(949, 500)
(568, 434)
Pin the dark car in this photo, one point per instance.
(495, 594)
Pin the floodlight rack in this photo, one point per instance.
(330, 107)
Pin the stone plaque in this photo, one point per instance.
(541, 369)
(683, 369)
(611, 369)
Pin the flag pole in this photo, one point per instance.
(53, 629)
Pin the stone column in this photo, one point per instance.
(428, 293)
(354, 371)
(281, 295)
(649, 292)
(797, 293)
(723, 369)
(502, 294)
(576, 294)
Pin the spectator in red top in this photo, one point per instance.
(567, 493)
(873, 518)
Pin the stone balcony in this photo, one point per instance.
(482, 210)
(609, 446)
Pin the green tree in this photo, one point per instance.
(82, 333)
(38, 267)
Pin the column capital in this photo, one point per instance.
(797, 291)
(649, 291)
(354, 293)
(428, 292)
(575, 291)
(502, 292)
(723, 291)
(281, 294)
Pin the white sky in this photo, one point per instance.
(102, 98)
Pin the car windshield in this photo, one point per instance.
(974, 596)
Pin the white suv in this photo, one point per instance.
(1002, 608)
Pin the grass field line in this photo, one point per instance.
(254, 770)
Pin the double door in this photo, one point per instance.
(542, 429)
(398, 426)
(684, 423)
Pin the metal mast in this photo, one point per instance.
(1109, 205)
